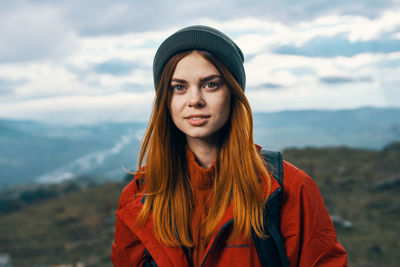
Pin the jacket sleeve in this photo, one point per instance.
(127, 250)
(308, 232)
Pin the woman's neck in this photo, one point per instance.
(205, 151)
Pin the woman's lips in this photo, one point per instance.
(197, 120)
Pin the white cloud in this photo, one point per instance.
(122, 16)
(372, 86)
(75, 74)
(83, 109)
(43, 79)
(34, 32)
(273, 68)
(257, 35)
(139, 77)
(139, 47)
(368, 29)
(315, 97)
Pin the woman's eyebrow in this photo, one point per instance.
(178, 80)
(202, 80)
(209, 78)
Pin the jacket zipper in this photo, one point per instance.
(186, 252)
(216, 238)
(274, 194)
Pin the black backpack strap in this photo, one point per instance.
(272, 251)
(275, 164)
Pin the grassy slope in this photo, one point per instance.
(75, 228)
(79, 226)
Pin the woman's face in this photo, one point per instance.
(200, 101)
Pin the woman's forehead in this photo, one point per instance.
(194, 65)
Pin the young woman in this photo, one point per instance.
(205, 194)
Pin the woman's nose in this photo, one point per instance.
(195, 97)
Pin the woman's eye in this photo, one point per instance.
(211, 85)
(178, 88)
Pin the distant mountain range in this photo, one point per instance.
(370, 128)
(33, 151)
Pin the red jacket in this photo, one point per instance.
(307, 230)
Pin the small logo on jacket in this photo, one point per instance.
(238, 246)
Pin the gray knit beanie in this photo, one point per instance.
(201, 38)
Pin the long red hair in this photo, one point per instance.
(167, 184)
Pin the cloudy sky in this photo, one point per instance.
(90, 61)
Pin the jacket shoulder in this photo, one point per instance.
(298, 187)
(130, 192)
(309, 234)
(295, 177)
